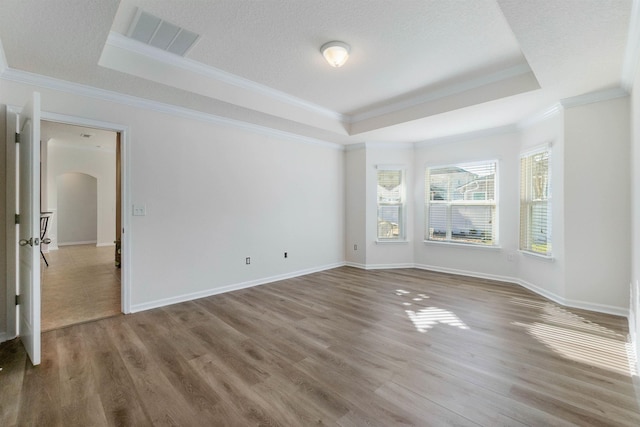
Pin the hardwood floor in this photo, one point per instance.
(81, 284)
(343, 347)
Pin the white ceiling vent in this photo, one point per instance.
(155, 32)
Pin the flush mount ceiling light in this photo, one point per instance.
(336, 53)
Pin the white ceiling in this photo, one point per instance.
(79, 137)
(419, 69)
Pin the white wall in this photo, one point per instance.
(3, 223)
(100, 164)
(634, 318)
(597, 203)
(547, 276)
(480, 261)
(356, 206)
(77, 211)
(385, 254)
(215, 195)
(590, 148)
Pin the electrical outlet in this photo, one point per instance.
(247, 260)
(286, 255)
(355, 247)
(139, 210)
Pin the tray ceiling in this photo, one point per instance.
(417, 70)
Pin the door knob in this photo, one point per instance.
(25, 242)
(46, 240)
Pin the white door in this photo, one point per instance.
(29, 229)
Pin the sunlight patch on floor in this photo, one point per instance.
(576, 338)
(426, 318)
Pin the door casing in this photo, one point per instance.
(11, 208)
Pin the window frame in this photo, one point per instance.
(402, 214)
(527, 202)
(450, 204)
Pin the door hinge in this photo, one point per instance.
(17, 137)
(17, 218)
(17, 299)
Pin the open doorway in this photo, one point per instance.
(80, 195)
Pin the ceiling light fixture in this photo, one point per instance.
(336, 53)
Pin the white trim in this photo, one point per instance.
(534, 119)
(390, 145)
(146, 104)
(482, 133)
(632, 49)
(3, 59)
(83, 242)
(381, 266)
(119, 41)
(125, 171)
(592, 97)
(402, 168)
(461, 245)
(229, 288)
(584, 305)
(356, 265)
(391, 241)
(447, 91)
(102, 245)
(354, 147)
(601, 308)
(549, 258)
(541, 148)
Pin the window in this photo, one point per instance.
(535, 203)
(390, 204)
(461, 204)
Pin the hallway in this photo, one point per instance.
(81, 284)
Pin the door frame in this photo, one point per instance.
(11, 208)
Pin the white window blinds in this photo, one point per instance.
(461, 203)
(390, 204)
(535, 203)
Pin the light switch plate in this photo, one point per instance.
(139, 210)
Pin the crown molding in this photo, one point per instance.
(539, 117)
(482, 133)
(118, 40)
(632, 50)
(77, 89)
(447, 91)
(596, 96)
(390, 145)
(354, 147)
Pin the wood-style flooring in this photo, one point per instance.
(343, 347)
(81, 284)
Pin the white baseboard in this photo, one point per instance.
(101, 245)
(601, 308)
(88, 242)
(4, 337)
(209, 292)
(379, 266)
(356, 265)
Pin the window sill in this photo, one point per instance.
(391, 242)
(462, 245)
(549, 258)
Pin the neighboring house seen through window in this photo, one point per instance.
(461, 203)
(535, 203)
(391, 223)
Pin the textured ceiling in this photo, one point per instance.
(418, 69)
(71, 136)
